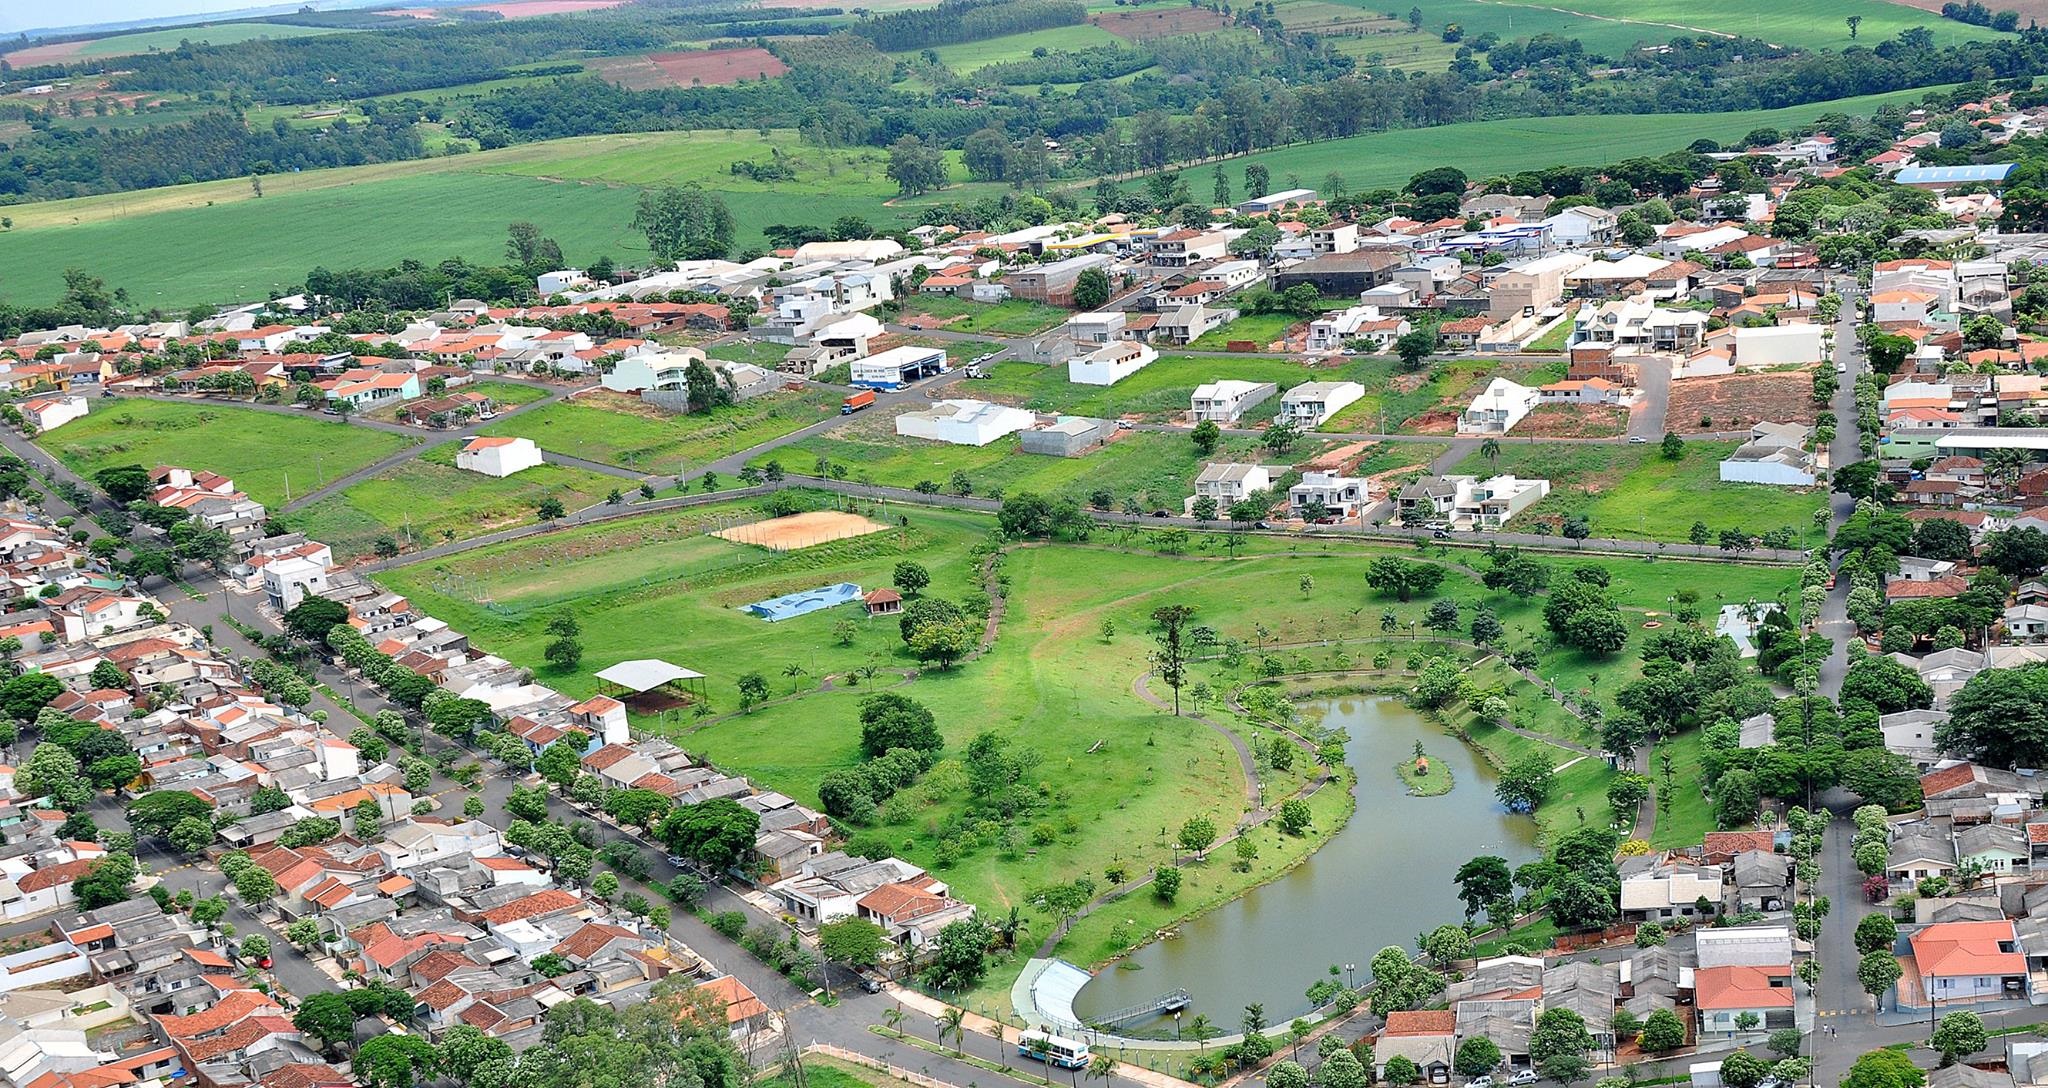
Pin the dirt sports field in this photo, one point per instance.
(801, 530)
(1741, 400)
(689, 68)
(1167, 21)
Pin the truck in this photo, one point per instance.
(863, 399)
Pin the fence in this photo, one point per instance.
(878, 1065)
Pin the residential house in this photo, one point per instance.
(498, 456)
(1727, 997)
(1660, 888)
(964, 422)
(1775, 454)
(1230, 483)
(1969, 961)
(1110, 362)
(1761, 881)
(1498, 407)
(1332, 495)
(1186, 324)
(1993, 848)
(1310, 404)
(1917, 852)
(1066, 436)
(1427, 1038)
(51, 412)
(1227, 401)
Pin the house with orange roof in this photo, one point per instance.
(48, 413)
(1427, 1038)
(1969, 961)
(744, 1012)
(1726, 996)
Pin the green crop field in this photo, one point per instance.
(616, 430)
(1811, 24)
(428, 500)
(1056, 683)
(213, 242)
(967, 56)
(151, 41)
(1632, 491)
(265, 453)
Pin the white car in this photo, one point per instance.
(1479, 1082)
(1521, 1078)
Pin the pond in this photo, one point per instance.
(1381, 881)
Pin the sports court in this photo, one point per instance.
(801, 530)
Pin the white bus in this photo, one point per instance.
(1053, 1049)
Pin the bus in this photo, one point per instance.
(1053, 1050)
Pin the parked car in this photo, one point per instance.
(870, 984)
(1636, 440)
(1479, 1082)
(1522, 1077)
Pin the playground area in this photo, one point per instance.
(801, 530)
(802, 603)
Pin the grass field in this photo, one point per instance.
(968, 56)
(152, 41)
(1057, 680)
(1260, 329)
(1157, 470)
(1160, 389)
(265, 453)
(618, 430)
(1632, 491)
(1011, 317)
(427, 500)
(217, 241)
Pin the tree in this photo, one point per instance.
(1447, 944)
(1197, 834)
(1663, 1032)
(855, 942)
(396, 1061)
(1206, 436)
(1884, 1069)
(564, 653)
(1958, 1034)
(1476, 1056)
(1743, 1070)
(1287, 1074)
(1091, 289)
(1416, 347)
(911, 578)
(1402, 577)
(52, 771)
(159, 811)
(304, 933)
(717, 833)
(550, 509)
(684, 222)
(890, 720)
(1401, 1071)
(2017, 553)
(1524, 784)
(1876, 933)
(107, 881)
(605, 886)
(527, 247)
(1673, 447)
(2000, 717)
(753, 689)
(254, 885)
(255, 948)
(1877, 971)
(915, 167)
(124, 483)
(465, 1049)
(1166, 883)
(637, 807)
(312, 618)
(559, 763)
(326, 1016)
(1560, 1045)
(1482, 882)
(1170, 657)
(961, 957)
(23, 696)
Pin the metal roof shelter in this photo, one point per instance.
(646, 673)
(1993, 172)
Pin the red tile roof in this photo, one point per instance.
(1742, 988)
(1426, 1022)
(1949, 949)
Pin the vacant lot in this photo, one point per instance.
(1573, 421)
(1159, 391)
(1632, 491)
(690, 68)
(428, 500)
(267, 454)
(620, 430)
(1741, 400)
(1259, 329)
(1012, 317)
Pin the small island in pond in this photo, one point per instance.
(1423, 778)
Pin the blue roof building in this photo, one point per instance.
(1941, 177)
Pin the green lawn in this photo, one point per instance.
(428, 500)
(759, 353)
(1161, 389)
(507, 393)
(1012, 317)
(1056, 683)
(1260, 329)
(616, 430)
(267, 454)
(1632, 491)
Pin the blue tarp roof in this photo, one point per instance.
(1953, 175)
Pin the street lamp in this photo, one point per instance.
(1176, 1025)
(1348, 983)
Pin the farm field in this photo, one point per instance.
(1165, 21)
(614, 429)
(1152, 470)
(265, 453)
(428, 500)
(1632, 491)
(1813, 24)
(151, 41)
(1073, 636)
(689, 68)
(968, 56)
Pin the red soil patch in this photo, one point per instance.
(1741, 400)
(1166, 22)
(54, 53)
(690, 68)
(1573, 421)
(1434, 421)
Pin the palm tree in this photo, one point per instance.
(1010, 926)
(1490, 449)
(794, 670)
(1101, 1067)
(894, 1018)
(954, 1023)
(1202, 1028)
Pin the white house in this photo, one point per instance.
(1309, 404)
(1227, 401)
(1333, 330)
(1775, 454)
(498, 456)
(50, 413)
(964, 422)
(288, 580)
(660, 370)
(1489, 504)
(1498, 407)
(1779, 345)
(897, 367)
(1341, 496)
(1227, 483)
(1582, 226)
(562, 281)
(1110, 363)
(1097, 328)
